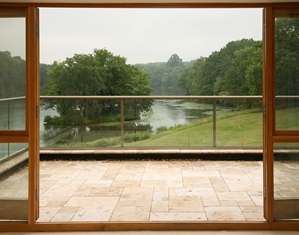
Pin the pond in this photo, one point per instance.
(170, 113)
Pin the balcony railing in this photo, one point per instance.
(212, 107)
(12, 117)
(121, 122)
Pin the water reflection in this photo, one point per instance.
(170, 113)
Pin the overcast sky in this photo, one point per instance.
(141, 35)
(12, 36)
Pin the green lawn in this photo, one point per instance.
(237, 129)
(241, 129)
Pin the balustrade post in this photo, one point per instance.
(8, 115)
(214, 122)
(8, 149)
(122, 121)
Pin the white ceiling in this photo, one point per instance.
(148, 1)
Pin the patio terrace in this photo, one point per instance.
(150, 190)
(172, 190)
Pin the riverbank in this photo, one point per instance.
(235, 129)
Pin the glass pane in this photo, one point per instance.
(13, 181)
(12, 73)
(3, 150)
(80, 123)
(168, 123)
(287, 73)
(286, 184)
(239, 123)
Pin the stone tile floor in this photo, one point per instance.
(172, 190)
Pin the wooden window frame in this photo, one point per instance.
(21, 136)
(32, 134)
(279, 135)
(282, 135)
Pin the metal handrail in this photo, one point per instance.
(214, 97)
(152, 97)
(12, 98)
(287, 96)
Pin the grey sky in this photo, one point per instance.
(141, 35)
(144, 35)
(12, 36)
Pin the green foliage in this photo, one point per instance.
(188, 80)
(99, 73)
(234, 70)
(244, 74)
(287, 56)
(12, 75)
(165, 76)
(44, 78)
(174, 60)
(237, 68)
(138, 136)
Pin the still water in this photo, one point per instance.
(170, 113)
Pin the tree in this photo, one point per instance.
(287, 56)
(165, 76)
(237, 68)
(244, 76)
(44, 79)
(188, 80)
(12, 75)
(174, 60)
(99, 73)
(234, 70)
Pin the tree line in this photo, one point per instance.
(13, 75)
(236, 69)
